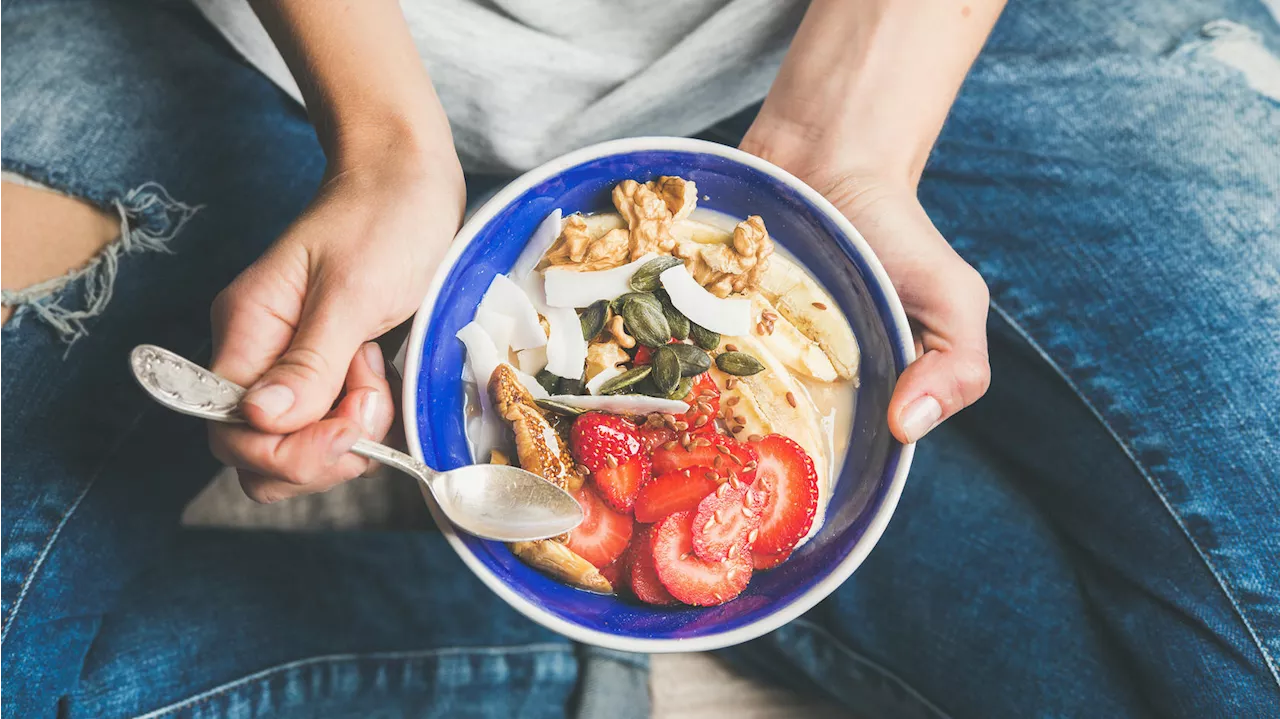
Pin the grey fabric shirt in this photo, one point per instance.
(523, 81)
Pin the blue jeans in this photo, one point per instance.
(1098, 537)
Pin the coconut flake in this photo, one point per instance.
(533, 360)
(566, 347)
(498, 326)
(482, 354)
(542, 239)
(506, 298)
(531, 383)
(623, 403)
(603, 376)
(567, 288)
(727, 315)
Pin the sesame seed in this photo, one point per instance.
(710, 523)
(700, 421)
(680, 426)
(670, 445)
(711, 475)
(751, 536)
(733, 551)
(609, 460)
(746, 512)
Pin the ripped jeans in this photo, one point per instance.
(1098, 537)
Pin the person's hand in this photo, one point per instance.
(295, 327)
(945, 299)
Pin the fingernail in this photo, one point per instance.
(373, 358)
(369, 406)
(919, 417)
(342, 443)
(273, 399)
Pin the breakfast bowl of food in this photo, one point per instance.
(701, 350)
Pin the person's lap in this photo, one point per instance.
(1065, 545)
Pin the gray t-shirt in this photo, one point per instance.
(523, 81)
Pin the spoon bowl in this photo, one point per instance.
(491, 501)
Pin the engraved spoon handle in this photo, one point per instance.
(184, 386)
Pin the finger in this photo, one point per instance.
(311, 460)
(253, 319)
(936, 386)
(301, 385)
(368, 400)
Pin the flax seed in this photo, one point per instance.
(721, 490)
(769, 315)
(736, 430)
(819, 305)
(730, 383)
(700, 421)
(669, 446)
(791, 398)
(735, 458)
(609, 460)
(731, 348)
(710, 475)
(732, 401)
(723, 449)
(739, 419)
(754, 438)
(750, 466)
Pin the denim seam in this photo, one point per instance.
(542, 648)
(832, 640)
(1267, 659)
(66, 517)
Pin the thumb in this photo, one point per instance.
(301, 386)
(934, 387)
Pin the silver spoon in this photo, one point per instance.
(491, 501)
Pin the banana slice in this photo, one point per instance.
(763, 402)
(693, 230)
(799, 353)
(561, 563)
(800, 299)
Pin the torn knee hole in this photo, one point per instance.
(147, 218)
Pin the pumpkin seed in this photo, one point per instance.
(626, 380)
(558, 408)
(548, 381)
(693, 360)
(646, 278)
(571, 386)
(739, 363)
(703, 337)
(645, 321)
(678, 323)
(593, 319)
(683, 389)
(666, 369)
(622, 300)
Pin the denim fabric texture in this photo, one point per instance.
(1098, 537)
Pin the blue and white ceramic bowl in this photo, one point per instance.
(733, 182)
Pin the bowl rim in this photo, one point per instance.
(900, 333)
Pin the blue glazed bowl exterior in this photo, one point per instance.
(737, 184)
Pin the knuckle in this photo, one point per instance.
(306, 364)
(973, 378)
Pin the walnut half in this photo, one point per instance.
(650, 208)
(734, 267)
(576, 249)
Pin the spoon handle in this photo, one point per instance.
(184, 386)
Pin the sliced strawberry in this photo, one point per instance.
(603, 535)
(619, 485)
(787, 473)
(704, 404)
(643, 356)
(725, 520)
(600, 440)
(618, 571)
(653, 437)
(643, 576)
(769, 561)
(673, 492)
(723, 454)
(687, 577)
